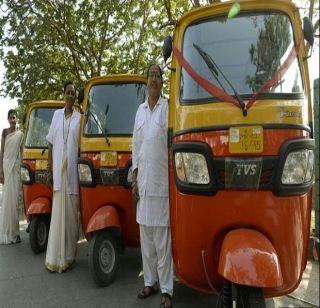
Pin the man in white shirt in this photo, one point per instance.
(63, 138)
(150, 189)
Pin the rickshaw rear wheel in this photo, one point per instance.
(245, 296)
(103, 258)
(39, 232)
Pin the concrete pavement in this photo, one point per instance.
(24, 282)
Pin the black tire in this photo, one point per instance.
(39, 232)
(103, 258)
(250, 297)
(245, 296)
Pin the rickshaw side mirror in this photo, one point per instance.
(167, 48)
(308, 30)
(80, 96)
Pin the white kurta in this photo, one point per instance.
(9, 211)
(56, 138)
(150, 156)
(64, 226)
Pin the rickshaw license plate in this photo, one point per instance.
(108, 159)
(246, 139)
(41, 164)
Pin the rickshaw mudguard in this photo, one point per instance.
(104, 217)
(247, 257)
(41, 205)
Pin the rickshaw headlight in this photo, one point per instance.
(25, 175)
(192, 168)
(129, 176)
(84, 173)
(298, 167)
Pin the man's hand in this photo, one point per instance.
(135, 193)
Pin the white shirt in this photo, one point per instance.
(150, 156)
(59, 137)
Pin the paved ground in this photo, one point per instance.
(24, 282)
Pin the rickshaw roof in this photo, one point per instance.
(222, 7)
(117, 78)
(47, 103)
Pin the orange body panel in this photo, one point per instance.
(104, 217)
(34, 192)
(92, 199)
(200, 222)
(41, 205)
(243, 252)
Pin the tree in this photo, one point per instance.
(46, 42)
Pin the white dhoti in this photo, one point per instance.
(64, 229)
(157, 257)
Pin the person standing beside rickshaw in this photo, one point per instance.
(150, 189)
(63, 138)
(10, 160)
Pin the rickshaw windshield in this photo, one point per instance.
(39, 124)
(111, 108)
(248, 49)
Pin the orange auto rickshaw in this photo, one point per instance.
(241, 149)
(37, 194)
(108, 219)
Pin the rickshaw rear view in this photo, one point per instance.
(241, 149)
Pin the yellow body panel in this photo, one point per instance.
(97, 144)
(280, 111)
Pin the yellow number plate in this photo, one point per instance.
(246, 139)
(41, 164)
(108, 159)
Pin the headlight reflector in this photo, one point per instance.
(298, 167)
(84, 172)
(129, 176)
(192, 168)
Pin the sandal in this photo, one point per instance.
(166, 301)
(148, 291)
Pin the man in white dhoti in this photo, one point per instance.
(63, 147)
(150, 186)
(10, 160)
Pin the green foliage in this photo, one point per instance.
(44, 43)
(266, 54)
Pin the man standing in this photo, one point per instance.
(150, 189)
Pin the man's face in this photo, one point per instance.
(69, 96)
(154, 83)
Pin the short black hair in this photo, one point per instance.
(158, 66)
(67, 83)
(12, 112)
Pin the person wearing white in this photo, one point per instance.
(10, 161)
(63, 138)
(151, 189)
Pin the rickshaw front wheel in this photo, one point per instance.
(240, 296)
(39, 232)
(103, 258)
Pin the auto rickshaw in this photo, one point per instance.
(37, 194)
(108, 219)
(241, 149)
